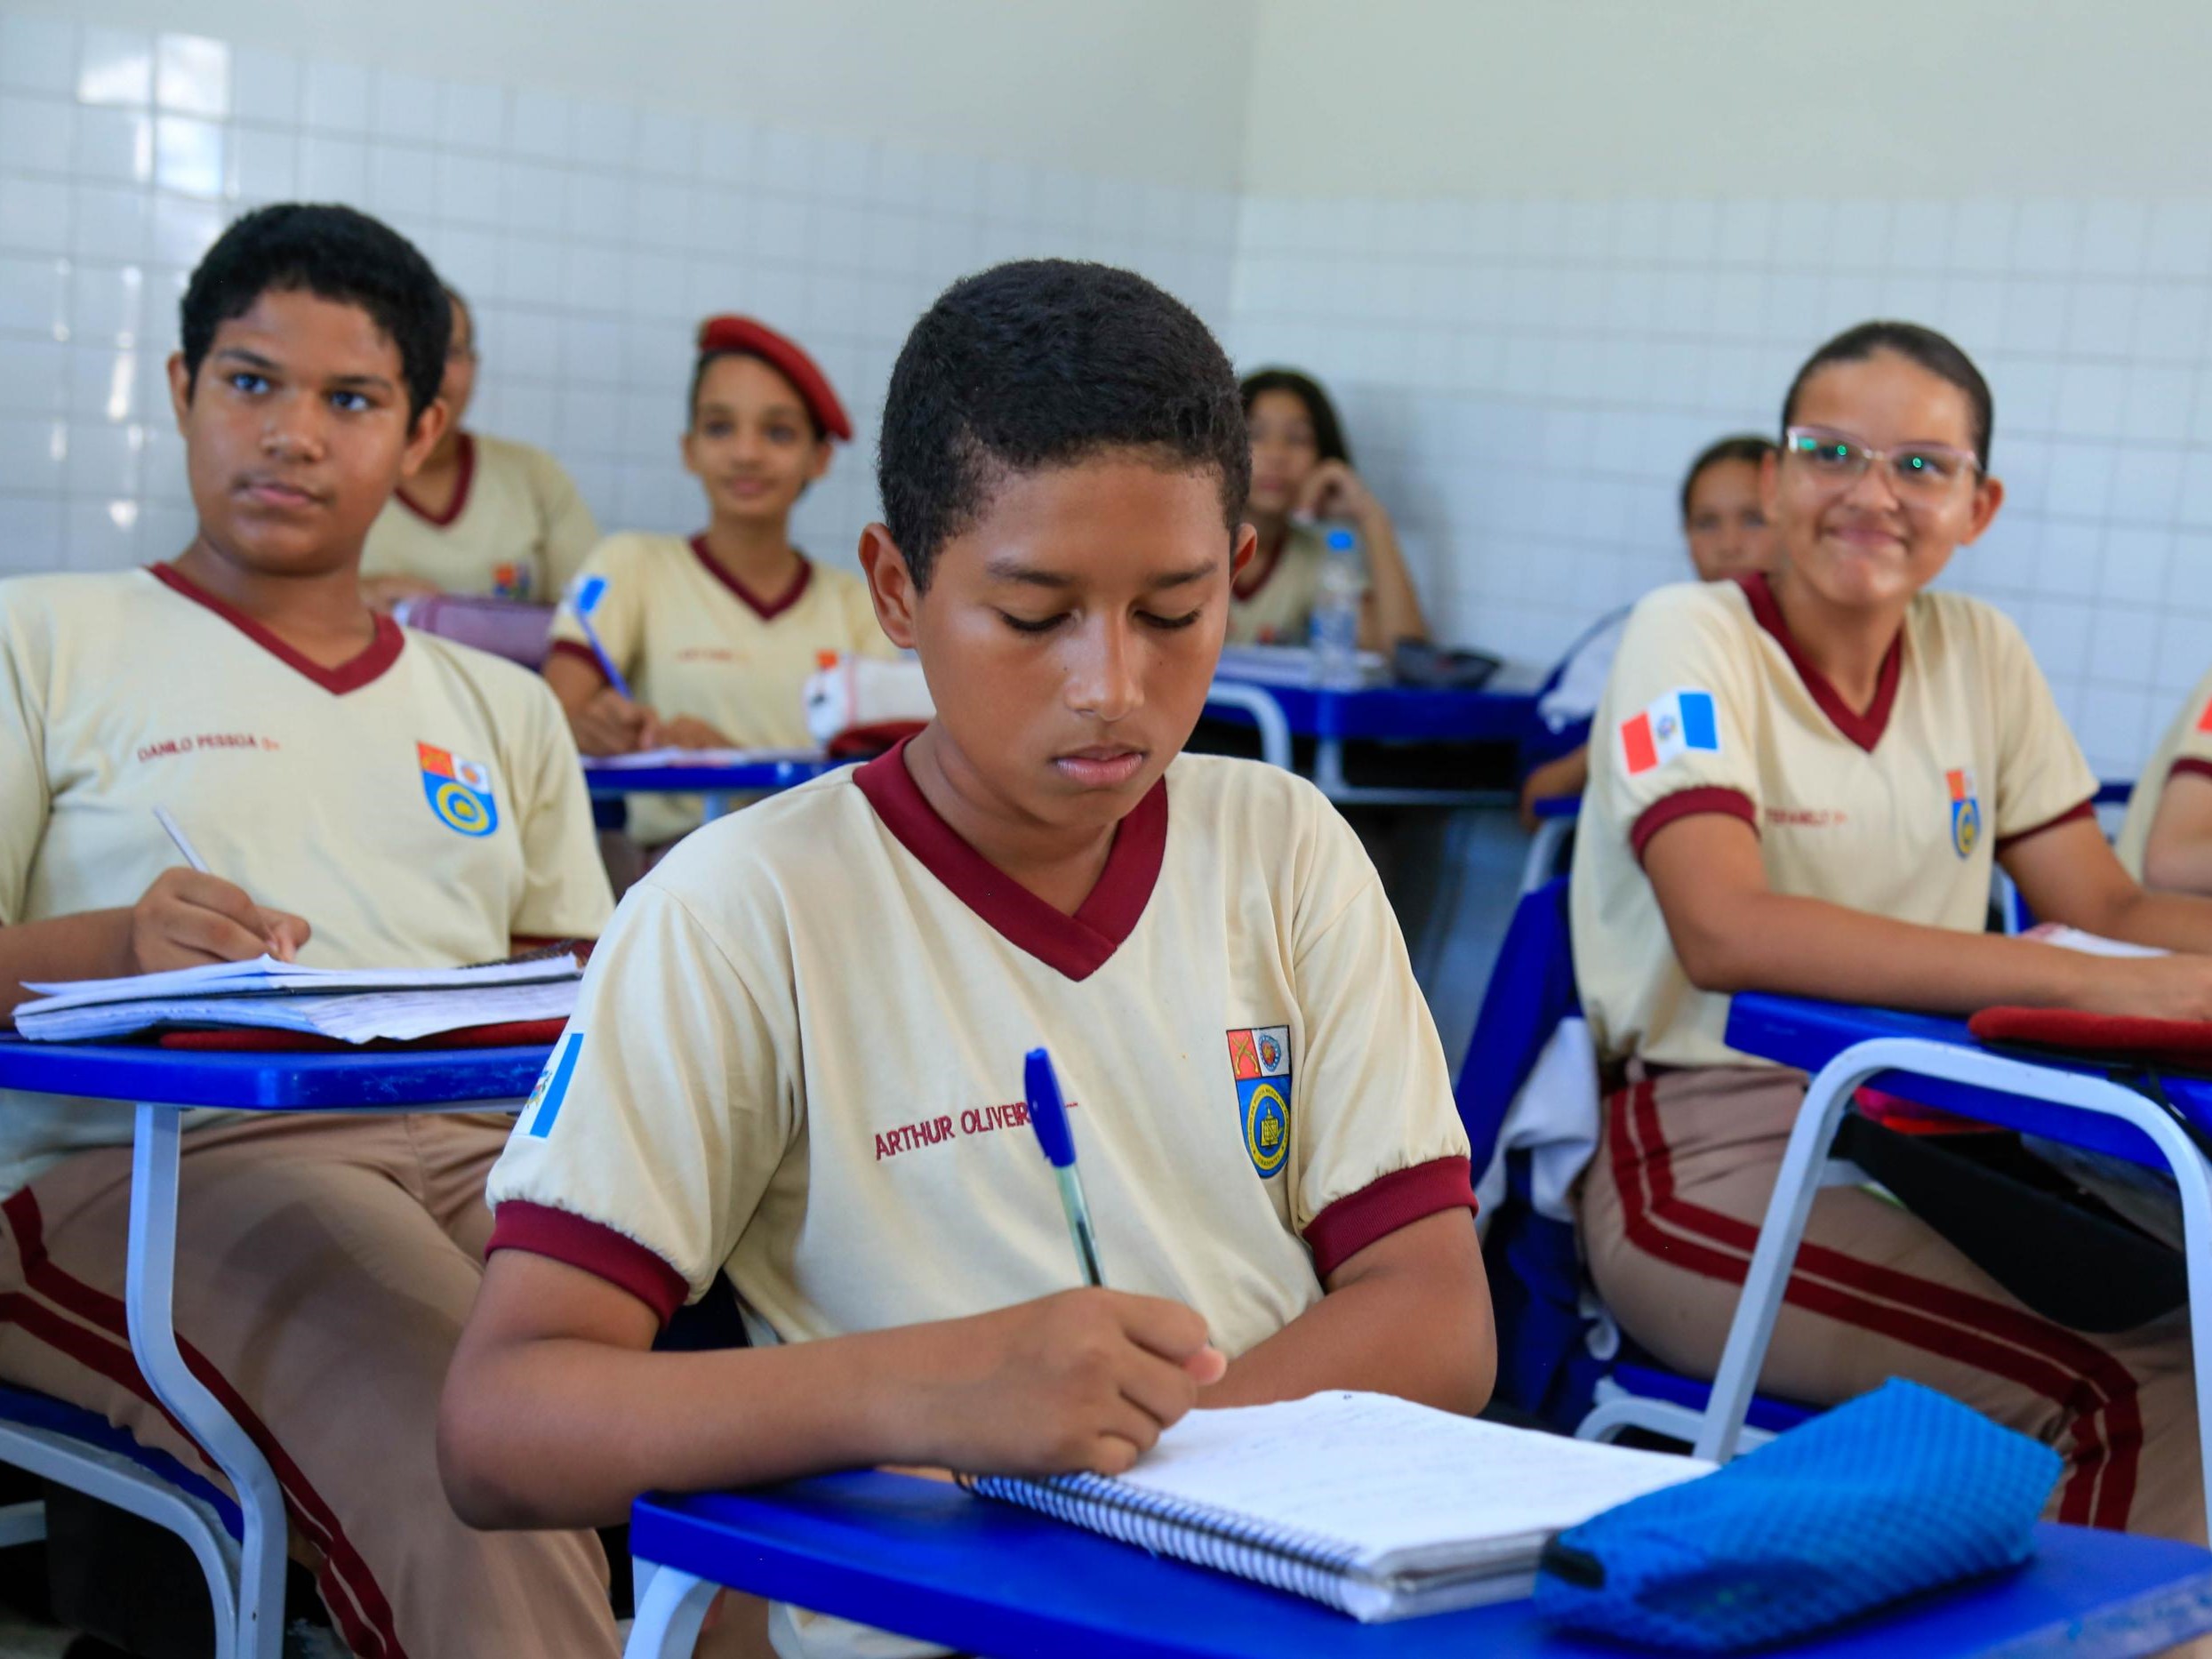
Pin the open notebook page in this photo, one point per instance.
(1389, 1478)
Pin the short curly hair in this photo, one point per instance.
(1046, 363)
(334, 253)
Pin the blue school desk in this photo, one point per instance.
(927, 1560)
(246, 1581)
(1936, 1062)
(1500, 712)
(716, 784)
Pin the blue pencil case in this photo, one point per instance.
(1900, 1491)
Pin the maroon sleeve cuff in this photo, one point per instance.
(2085, 810)
(2189, 764)
(1383, 1206)
(582, 653)
(1688, 804)
(592, 1246)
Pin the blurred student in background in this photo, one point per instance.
(482, 516)
(717, 634)
(2166, 840)
(1301, 477)
(1725, 523)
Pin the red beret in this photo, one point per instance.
(742, 333)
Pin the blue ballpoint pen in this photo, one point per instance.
(1049, 1117)
(583, 600)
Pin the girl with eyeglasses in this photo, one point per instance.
(1799, 783)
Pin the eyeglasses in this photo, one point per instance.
(1920, 471)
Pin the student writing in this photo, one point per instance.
(481, 515)
(716, 633)
(363, 796)
(1798, 784)
(794, 1049)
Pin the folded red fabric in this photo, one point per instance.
(507, 1034)
(2183, 1044)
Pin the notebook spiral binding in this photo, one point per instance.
(1283, 1557)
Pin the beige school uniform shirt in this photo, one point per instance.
(1899, 810)
(2186, 747)
(420, 805)
(1272, 602)
(517, 528)
(692, 640)
(798, 1057)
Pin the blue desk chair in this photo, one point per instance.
(82, 1450)
(1542, 1298)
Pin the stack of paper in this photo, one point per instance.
(351, 1005)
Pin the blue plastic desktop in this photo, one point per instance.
(990, 1578)
(1803, 1032)
(1399, 713)
(270, 1082)
(753, 778)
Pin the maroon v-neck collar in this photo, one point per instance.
(1078, 945)
(767, 609)
(351, 675)
(1865, 729)
(438, 521)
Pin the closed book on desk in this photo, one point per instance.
(1381, 1508)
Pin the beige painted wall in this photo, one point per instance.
(1748, 97)
(1147, 89)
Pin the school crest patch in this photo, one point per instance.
(460, 791)
(510, 582)
(1259, 1059)
(1966, 812)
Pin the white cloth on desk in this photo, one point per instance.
(1556, 1119)
(1583, 675)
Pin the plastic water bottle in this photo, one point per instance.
(1336, 614)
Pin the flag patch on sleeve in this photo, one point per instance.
(1676, 723)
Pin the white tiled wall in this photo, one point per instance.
(1524, 380)
(590, 237)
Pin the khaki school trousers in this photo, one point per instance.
(325, 1266)
(1670, 1209)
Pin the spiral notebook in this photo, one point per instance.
(1381, 1508)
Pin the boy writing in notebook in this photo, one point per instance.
(363, 797)
(795, 1049)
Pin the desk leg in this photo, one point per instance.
(669, 1614)
(2193, 1180)
(1543, 852)
(1267, 715)
(1796, 1185)
(149, 1307)
(1329, 766)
